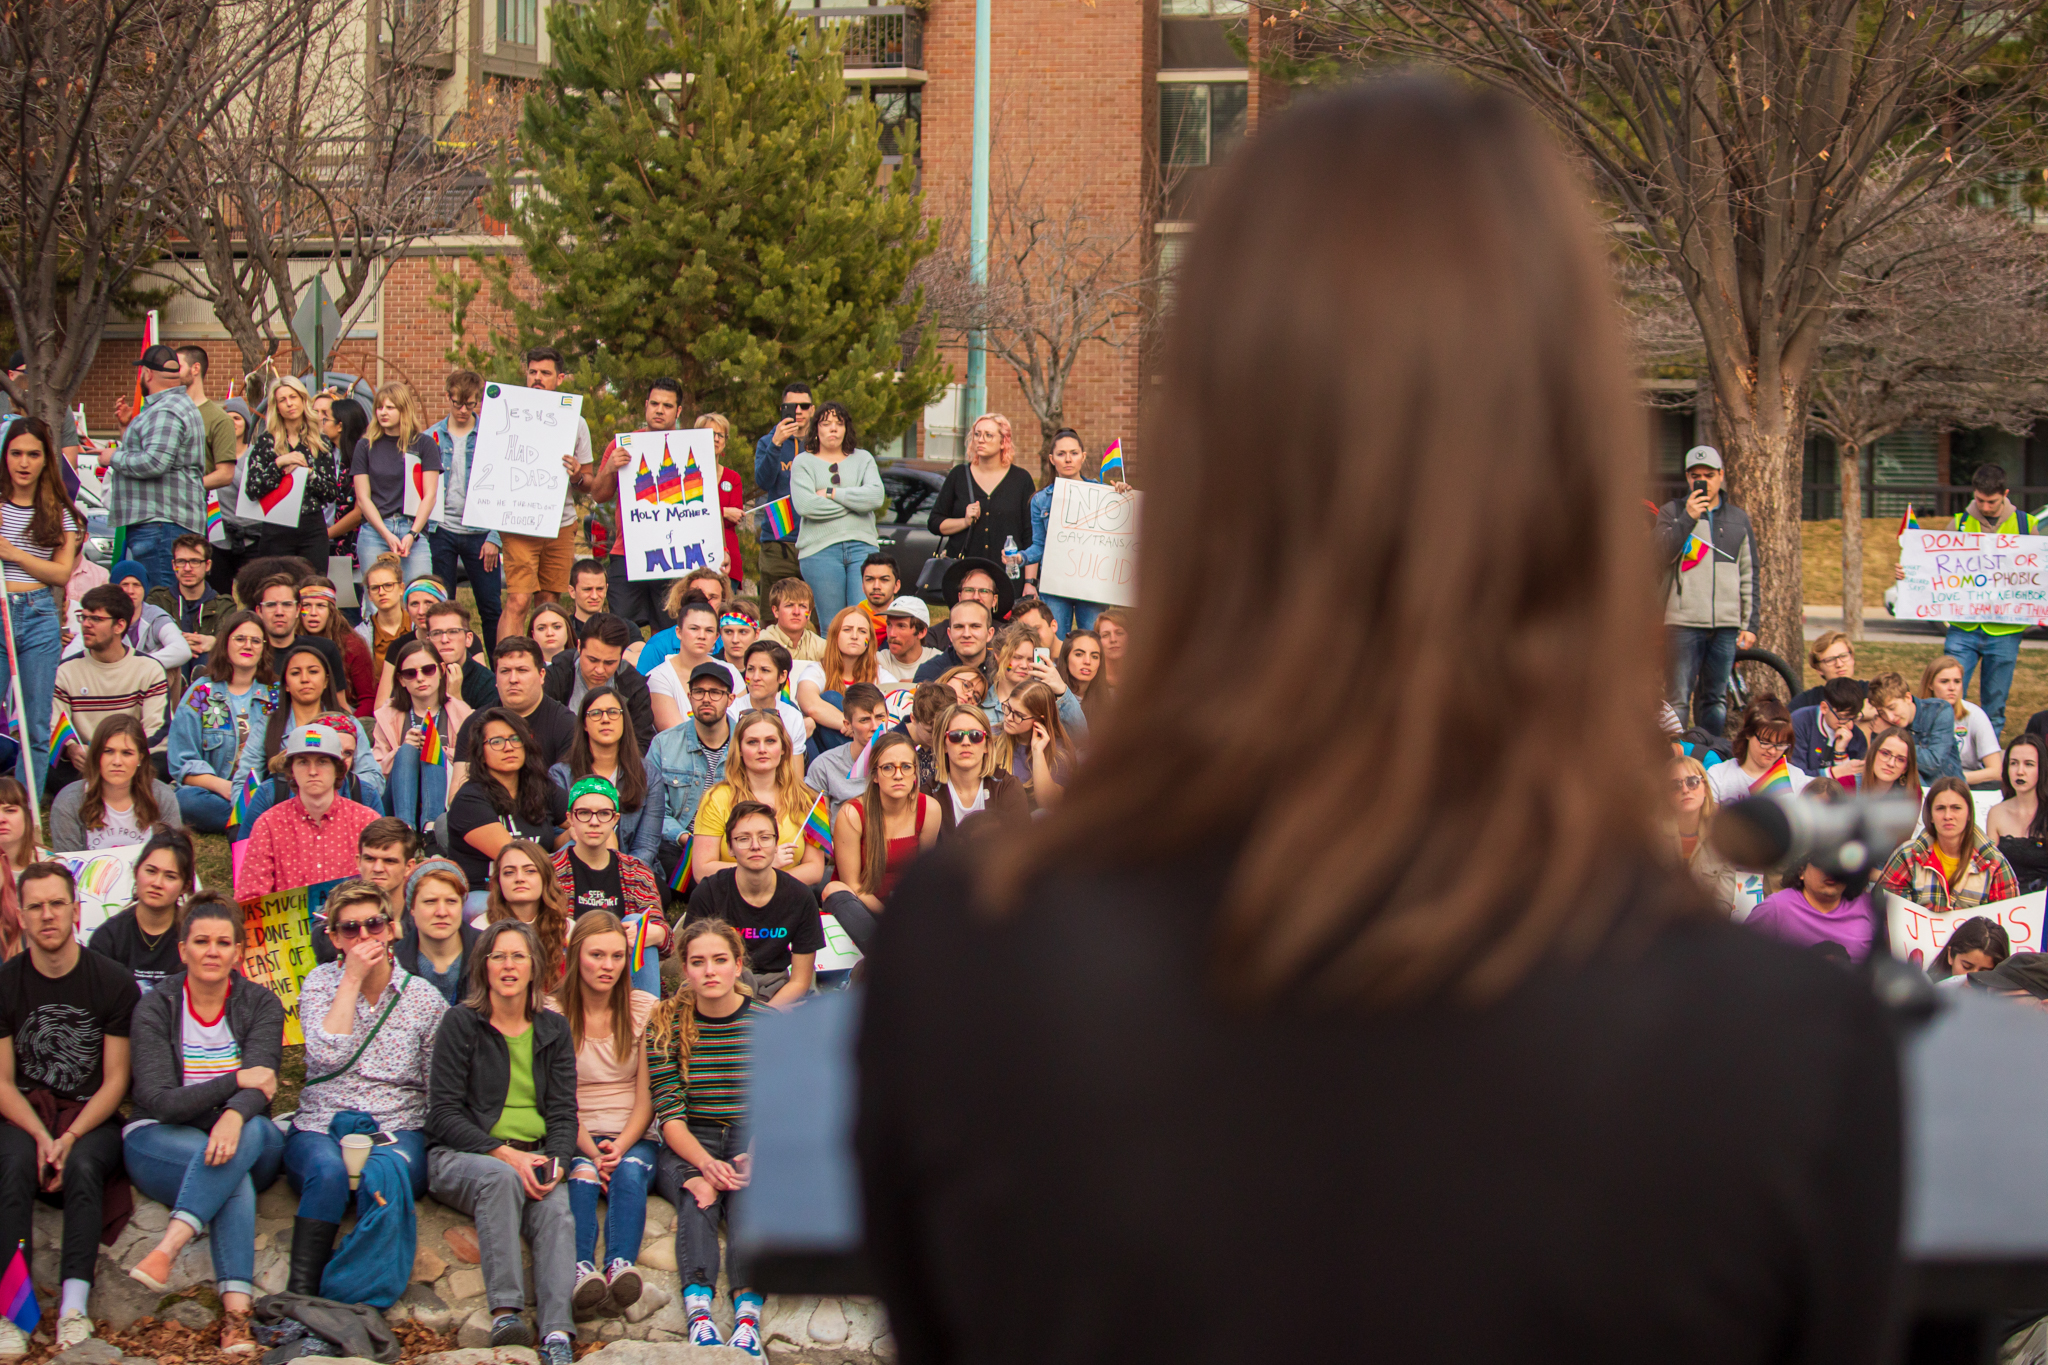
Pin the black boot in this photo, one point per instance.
(312, 1245)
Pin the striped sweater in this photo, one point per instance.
(716, 1091)
(89, 691)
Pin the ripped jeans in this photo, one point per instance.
(625, 1202)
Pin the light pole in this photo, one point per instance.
(976, 397)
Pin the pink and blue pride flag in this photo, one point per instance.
(859, 771)
(17, 1295)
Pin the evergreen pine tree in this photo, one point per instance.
(698, 198)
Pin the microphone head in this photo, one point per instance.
(1848, 838)
(1753, 833)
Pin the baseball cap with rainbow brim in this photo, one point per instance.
(312, 739)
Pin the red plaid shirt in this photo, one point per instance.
(1916, 874)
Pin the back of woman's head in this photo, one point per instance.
(1443, 546)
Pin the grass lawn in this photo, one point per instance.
(1821, 552)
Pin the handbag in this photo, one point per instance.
(932, 577)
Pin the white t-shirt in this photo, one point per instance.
(120, 829)
(1729, 783)
(892, 671)
(665, 682)
(1974, 736)
(792, 720)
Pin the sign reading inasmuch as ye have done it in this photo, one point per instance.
(277, 951)
(516, 479)
(668, 503)
(1978, 576)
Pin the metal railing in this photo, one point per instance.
(877, 37)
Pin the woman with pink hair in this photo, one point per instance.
(987, 500)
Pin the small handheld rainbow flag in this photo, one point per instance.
(241, 801)
(17, 1294)
(61, 734)
(1777, 779)
(681, 881)
(640, 941)
(216, 528)
(1908, 522)
(1696, 550)
(818, 825)
(780, 518)
(1113, 462)
(693, 484)
(430, 743)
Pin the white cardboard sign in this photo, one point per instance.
(668, 503)
(106, 883)
(279, 507)
(1091, 544)
(1973, 576)
(516, 479)
(1918, 934)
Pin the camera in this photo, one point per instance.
(1847, 839)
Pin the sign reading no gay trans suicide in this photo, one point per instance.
(1975, 576)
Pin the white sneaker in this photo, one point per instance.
(13, 1341)
(73, 1329)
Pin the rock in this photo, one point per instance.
(465, 1283)
(262, 1242)
(484, 1355)
(653, 1298)
(611, 1329)
(191, 1313)
(474, 1333)
(865, 1321)
(151, 1216)
(669, 1318)
(428, 1309)
(659, 1335)
(138, 1360)
(462, 1241)
(93, 1352)
(116, 1300)
(661, 1353)
(661, 1254)
(271, 1278)
(426, 1266)
(661, 1216)
(828, 1323)
(278, 1202)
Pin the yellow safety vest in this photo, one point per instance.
(2015, 523)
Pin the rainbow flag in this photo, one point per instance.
(1778, 779)
(1908, 522)
(818, 825)
(430, 743)
(61, 734)
(681, 881)
(17, 1294)
(1696, 550)
(216, 530)
(780, 518)
(1113, 463)
(668, 484)
(640, 939)
(693, 484)
(859, 771)
(643, 482)
(241, 801)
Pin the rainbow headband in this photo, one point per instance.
(427, 586)
(732, 620)
(318, 594)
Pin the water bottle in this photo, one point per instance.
(1012, 563)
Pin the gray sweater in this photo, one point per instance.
(157, 1086)
(1720, 591)
(67, 831)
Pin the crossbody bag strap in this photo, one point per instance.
(368, 1038)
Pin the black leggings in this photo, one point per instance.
(854, 917)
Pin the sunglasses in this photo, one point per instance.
(356, 928)
(1685, 784)
(410, 674)
(966, 736)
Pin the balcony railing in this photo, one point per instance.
(878, 37)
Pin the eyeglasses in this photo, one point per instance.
(1012, 713)
(593, 817)
(709, 693)
(188, 563)
(977, 592)
(503, 742)
(95, 618)
(507, 959)
(1774, 745)
(966, 736)
(452, 634)
(383, 587)
(374, 926)
(896, 769)
(1685, 784)
(603, 713)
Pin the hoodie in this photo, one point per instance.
(1720, 591)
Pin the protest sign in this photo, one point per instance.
(278, 949)
(668, 503)
(106, 883)
(1973, 576)
(1091, 544)
(516, 479)
(838, 954)
(278, 507)
(1918, 934)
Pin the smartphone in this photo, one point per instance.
(788, 411)
(1699, 486)
(549, 1171)
(1042, 654)
(382, 1140)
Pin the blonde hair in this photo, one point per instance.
(673, 1025)
(1935, 670)
(1006, 448)
(1695, 768)
(309, 423)
(412, 419)
(945, 723)
(793, 800)
(716, 420)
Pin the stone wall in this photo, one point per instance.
(447, 1292)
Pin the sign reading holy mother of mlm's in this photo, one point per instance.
(668, 504)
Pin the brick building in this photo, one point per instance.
(1116, 107)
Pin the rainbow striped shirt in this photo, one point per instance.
(207, 1046)
(716, 1089)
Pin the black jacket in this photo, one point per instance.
(560, 683)
(157, 1058)
(473, 1069)
(407, 950)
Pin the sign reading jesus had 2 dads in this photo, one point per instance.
(1091, 544)
(516, 479)
(668, 503)
(1973, 576)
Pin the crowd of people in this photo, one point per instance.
(523, 816)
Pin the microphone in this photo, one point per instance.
(1844, 838)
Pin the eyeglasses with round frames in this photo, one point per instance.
(503, 742)
(896, 769)
(604, 713)
(593, 816)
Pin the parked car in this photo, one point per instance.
(912, 486)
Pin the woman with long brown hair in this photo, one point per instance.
(213, 720)
(523, 887)
(1444, 936)
(1032, 745)
(320, 614)
(875, 836)
(385, 485)
(41, 529)
(120, 798)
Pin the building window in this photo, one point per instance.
(1199, 123)
(898, 108)
(1200, 9)
(519, 22)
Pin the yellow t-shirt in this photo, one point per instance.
(1948, 865)
(717, 805)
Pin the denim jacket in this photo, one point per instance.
(639, 830)
(455, 478)
(687, 772)
(209, 726)
(1041, 515)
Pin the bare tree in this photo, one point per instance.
(1740, 137)
(1060, 279)
(334, 159)
(93, 100)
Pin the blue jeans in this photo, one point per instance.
(167, 1161)
(203, 810)
(625, 1203)
(446, 548)
(149, 544)
(2000, 655)
(1705, 656)
(416, 792)
(834, 576)
(1069, 615)
(312, 1166)
(369, 545)
(36, 648)
(648, 977)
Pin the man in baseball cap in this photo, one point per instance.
(311, 837)
(906, 620)
(157, 468)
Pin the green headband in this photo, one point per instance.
(595, 784)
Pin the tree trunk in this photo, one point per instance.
(1852, 540)
(1765, 467)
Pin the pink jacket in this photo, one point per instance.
(390, 732)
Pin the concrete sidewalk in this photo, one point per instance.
(1881, 626)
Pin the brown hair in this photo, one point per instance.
(1036, 700)
(673, 1025)
(1935, 669)
(219, 667)
(1441, 316)
(1825, 642)
(589, 925)
(874, 837)
(55, 514)
(551, 920)
(1972, 837)
(92, 811)
(1765, 720)
(1910, 779)
(1887, 688)
(479, 996)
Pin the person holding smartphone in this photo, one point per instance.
(773, 456)
(501, 1108)
(1021, 659)
(1711, 608)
